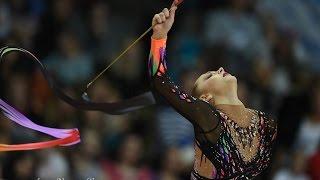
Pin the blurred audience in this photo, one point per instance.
(70, 56)
(171, 165)
(314, 164)
(52, 165)
(309, 133)
(128, 165)
(296, 170)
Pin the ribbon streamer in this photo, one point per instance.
(115, 108)
(65, 137)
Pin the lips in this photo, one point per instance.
(225, 74)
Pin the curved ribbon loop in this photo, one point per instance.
(65, 137)
(114, 108)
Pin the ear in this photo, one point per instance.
(206, 97)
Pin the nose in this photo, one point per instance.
(220, 70)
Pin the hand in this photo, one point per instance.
(163, 22)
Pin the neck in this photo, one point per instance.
(229, 100)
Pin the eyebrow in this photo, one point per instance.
(207, 76)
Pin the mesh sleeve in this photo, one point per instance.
(198, 112)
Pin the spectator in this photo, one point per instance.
(53, 165)
(70, 63)
(309, 134)
(235, 27)
(5, 20)
(296, 170)
(85, 162)
(314, 165)
(171, 165)
(129, 156)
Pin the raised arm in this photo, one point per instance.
(198, 112)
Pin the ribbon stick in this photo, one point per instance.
(85, 94)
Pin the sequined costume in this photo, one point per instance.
(225, 148)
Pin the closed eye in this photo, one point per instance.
(209, 76)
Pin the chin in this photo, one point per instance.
(231, 78)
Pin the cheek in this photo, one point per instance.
(215, 84)
(216, 81)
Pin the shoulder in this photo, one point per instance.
(269, 123)
(264, 116)
(266, 120)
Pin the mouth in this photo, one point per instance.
(225, 74)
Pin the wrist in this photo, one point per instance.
(158, 36)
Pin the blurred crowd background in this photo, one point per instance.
(272, 46)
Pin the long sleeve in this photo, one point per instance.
(198, 112)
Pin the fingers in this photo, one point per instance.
(162, 16)
(166, 12)
(173, 11)
(174, 7)
(157, 19)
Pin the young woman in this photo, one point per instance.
(232, 141)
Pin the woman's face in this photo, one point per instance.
(216, 83)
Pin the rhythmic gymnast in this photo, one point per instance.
(231, 141)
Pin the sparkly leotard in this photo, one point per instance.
(233, 151)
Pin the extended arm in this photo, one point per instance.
(199, 113)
